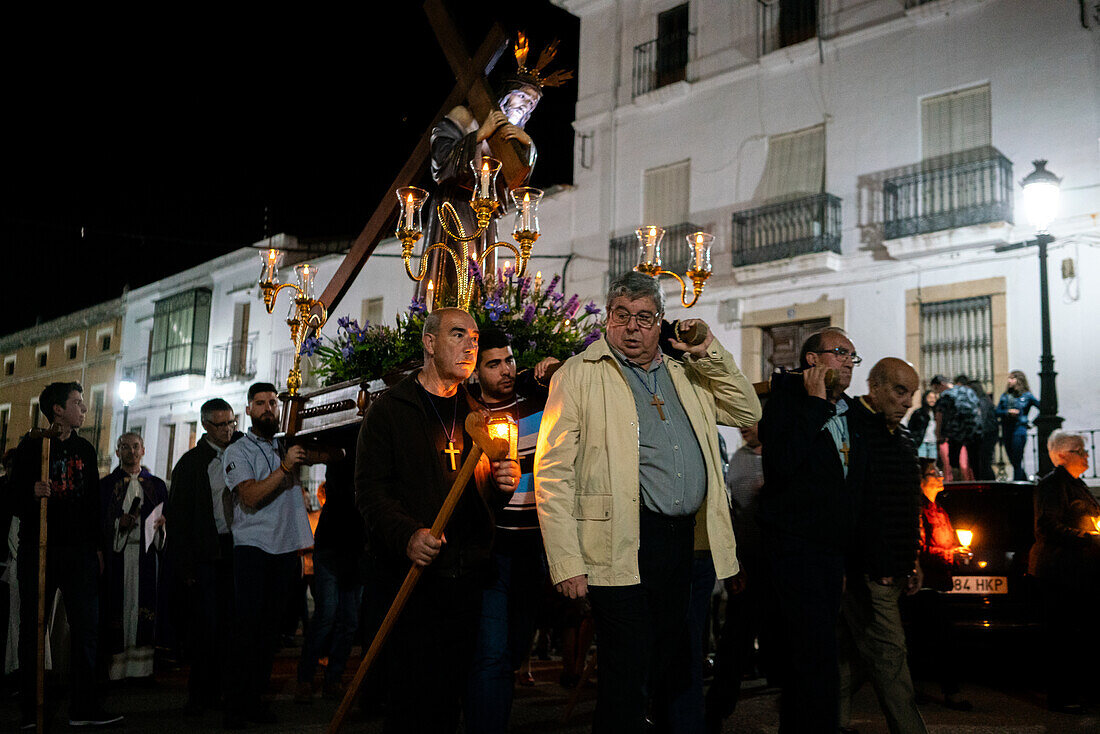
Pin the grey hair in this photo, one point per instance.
(1060, 441)
(213, 406)
(634, 285)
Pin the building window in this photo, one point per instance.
(181, 326)
(5, 419)
(36, 414)
(785, 22)
(72, 346)
(956, 337)
(41, 355)
(663, 60)
(666, 194)
(956, 122)
(9, 365)
(781, 344)
(795, 166)
(104, 338)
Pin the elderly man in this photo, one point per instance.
(130, 494)
(1066, 558)
(884, 560)
(411, 447)
(270, 526)
(807, 516)
(200, 509)
(624, 538)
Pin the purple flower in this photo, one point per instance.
(417, 307)
(343, 322)
(531, 344)
(495, 308)
(529, 313)
(475, 271)
(347, 350)
(571, 306)
(591, 309)
(524, 287)
(553, 284)
(310, 345)
(590, 337)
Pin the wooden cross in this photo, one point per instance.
(471, 87)
(452, 452)
(658, 402)
(844, 449)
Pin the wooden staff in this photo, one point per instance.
(495, 449)
(40, 699)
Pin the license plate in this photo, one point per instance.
(980, 585)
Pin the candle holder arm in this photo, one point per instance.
(423, 269)
(521, 262)
(445, 208)
(683, 289)
(272, 293)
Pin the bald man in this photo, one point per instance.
(883, 564)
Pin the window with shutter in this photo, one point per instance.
(795, 166)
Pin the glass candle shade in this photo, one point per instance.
(271, 259)
(965, 537)
(306, 273)
(502, 425)
(412, 201)
(485, 171)
(527, 201)
(649, 245)
(699, 246)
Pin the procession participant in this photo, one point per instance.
(807, 516)
(883, 565)
(410, 450)
(74, 554)
(270, 526)
(1066, 560)
(509, 602)
(133, 573)
(200, 509)
(625, 538)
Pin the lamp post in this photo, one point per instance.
(1041, 189)
(127, 390)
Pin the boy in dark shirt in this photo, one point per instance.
(73, 553)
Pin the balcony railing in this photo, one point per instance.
(660, 62)
(789, 228)
(784, 23)
(236, 359)
(282, 361)
(958, 190)
(675, 253)
(139, 373)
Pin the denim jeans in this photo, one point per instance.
(505, 630)
(335, 619)
(1015, 441)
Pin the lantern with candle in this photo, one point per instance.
(698, 270)
(504, 426)
(410, 228)
(305, 313)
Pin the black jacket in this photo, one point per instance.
(1065, 549)
(400, 484)
(190, 511)
(805, 492)
(918, 424)
(73, 510)
(888, 526)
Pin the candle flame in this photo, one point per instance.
(699, 240)
(431, 285)
(965, 536)
(652, 231)
(410, 199)
(484, 166)
(527, 198)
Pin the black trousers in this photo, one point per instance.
(807, 582)
(1069, 612)
(210, 623)
(640, 627)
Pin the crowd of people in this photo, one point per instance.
(823, 532)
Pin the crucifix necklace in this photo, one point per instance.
(656, 401)
(451, 451)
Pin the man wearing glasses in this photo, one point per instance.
(625, 538)
(201, 551)
(807, 514)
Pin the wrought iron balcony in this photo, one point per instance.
(660, 62)
(236, 359)
(958, 190)
(282, 361)
(777, 231)
(784, 23)
(675, 253)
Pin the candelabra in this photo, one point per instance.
(699, 269)
(300, 318)
(484, 203)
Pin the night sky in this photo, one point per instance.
(141, 148)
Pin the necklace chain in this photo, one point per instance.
(454, 420)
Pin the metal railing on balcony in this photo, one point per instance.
(675, 253)
(777, 231)
(784, 23)
(660, 62)
(282, 361)
(236, 359)
(958, 190)
(138, 372)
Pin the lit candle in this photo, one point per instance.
(484, 179)
(538, 281)
(965, 536)
(525, 213)
(507, 268)
(409, 210)
(650, 244)
(430, 302)
(699, 251)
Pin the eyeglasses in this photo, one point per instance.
(223, 424)
(933, 475)
(842, 353)
(622, 317)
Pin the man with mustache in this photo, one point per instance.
(270, 526)
(411, 447)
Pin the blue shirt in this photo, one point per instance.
(837, 426)
(281, 525)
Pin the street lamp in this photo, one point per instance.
(127, 390)
(1041, 190)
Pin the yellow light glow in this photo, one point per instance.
(965, 536)
(527, 198)
(485, 166)
(982, 564)
(498, 430)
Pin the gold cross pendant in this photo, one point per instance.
(845, 450)
(658, 402)
(452, 452)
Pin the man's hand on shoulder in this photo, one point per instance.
(422, 548)
(545, 366)
(574, 588)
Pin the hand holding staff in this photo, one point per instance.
(42, 491)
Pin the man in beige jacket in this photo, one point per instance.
(624, 536)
